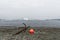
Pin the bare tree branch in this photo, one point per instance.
(24, 29)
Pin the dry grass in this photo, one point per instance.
(40, 34)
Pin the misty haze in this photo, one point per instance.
(32, 23)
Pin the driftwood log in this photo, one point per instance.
(23, 30)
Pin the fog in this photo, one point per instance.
(32, 9)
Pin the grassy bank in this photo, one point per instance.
(41, 33)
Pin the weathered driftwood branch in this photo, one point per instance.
(24, 29)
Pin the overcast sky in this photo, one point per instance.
(32, 9)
